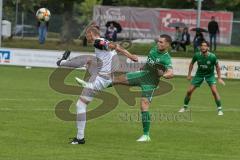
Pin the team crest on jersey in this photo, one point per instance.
(150, 61)
(208, 62)
(158, 60)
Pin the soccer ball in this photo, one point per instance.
(43, 14)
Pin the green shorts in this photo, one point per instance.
(197, 80)
(143, 80)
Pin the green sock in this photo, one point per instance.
(146, 122)
(218, 103)
(186, 101)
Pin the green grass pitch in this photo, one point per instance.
(29, 128)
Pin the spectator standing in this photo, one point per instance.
(198, 40)
(213, 30)
(42, 30)
(177, 39)
(185, 39)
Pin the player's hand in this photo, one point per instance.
(168, 74)
(165, 76)
(189, 78)
(220, 80)
(134, 58)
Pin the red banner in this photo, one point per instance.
(224, 19)
(148, 23)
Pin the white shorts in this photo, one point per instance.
(97, 83)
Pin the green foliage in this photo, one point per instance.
(85, 9)
(8, 13)
(28, 5)
(78, 13)
(228, 5)
(140, 3)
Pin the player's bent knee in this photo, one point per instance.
(120, 79)
(189, 92)
(84, 100)
(81, 110)
(145, 104)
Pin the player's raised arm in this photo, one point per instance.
(105, 45)
(123, 51)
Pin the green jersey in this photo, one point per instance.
(155, 59)
(206, 64)
(148, 78)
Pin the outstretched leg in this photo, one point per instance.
(122, 79)
(64, 57)
(80, 61)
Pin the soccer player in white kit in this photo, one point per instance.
(105, 52)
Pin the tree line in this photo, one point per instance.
(80, 11)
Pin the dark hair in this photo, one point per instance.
(166, 37)
(204, 41)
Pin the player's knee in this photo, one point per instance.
(81, 107)
(144, 104)
(189, 92)
(119, 79)
(115, 79)
(84, 100)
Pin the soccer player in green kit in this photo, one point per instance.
(148, 79)
(158, 64)
(206, 61)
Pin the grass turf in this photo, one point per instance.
(31, 130)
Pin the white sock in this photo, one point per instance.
(81, 118)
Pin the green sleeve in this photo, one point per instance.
(194, 59)
(168, 63)
(216, 60)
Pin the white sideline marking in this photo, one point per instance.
(193, 108)
(18, 99)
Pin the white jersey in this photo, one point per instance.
(107, 62)
(104, 57)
